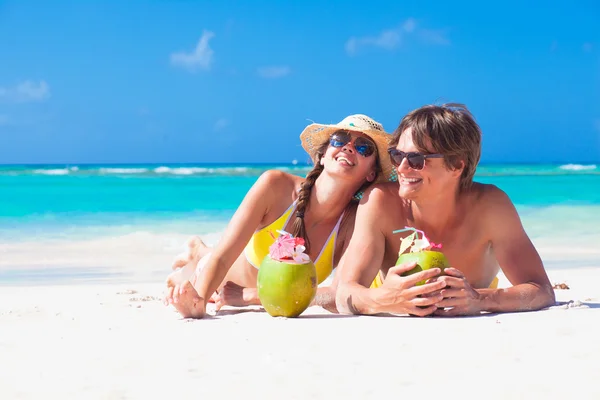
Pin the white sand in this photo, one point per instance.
(103, 341)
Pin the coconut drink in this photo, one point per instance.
(287, 278)
(425, 253)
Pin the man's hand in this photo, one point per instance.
(459, 296)
(399, 295)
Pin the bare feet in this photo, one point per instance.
(186, 300)
(235, 295)
(196, 250)
(185, 264)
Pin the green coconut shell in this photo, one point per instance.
(286, 289)
(425, 259)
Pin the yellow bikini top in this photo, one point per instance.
(258, 246)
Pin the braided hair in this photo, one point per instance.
(298, 228)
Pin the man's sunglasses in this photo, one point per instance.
(415, 160)
(363, 146)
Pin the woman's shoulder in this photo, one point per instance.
(276, 180)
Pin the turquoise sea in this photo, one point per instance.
(558, 204)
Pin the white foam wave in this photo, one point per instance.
(162, 170)
(199, 170)
(188, 171)
(578, 167)
(182, 170)
(62, 171)
(123, 170)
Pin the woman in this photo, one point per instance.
(348, 157)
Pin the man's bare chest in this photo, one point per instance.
(466, 251)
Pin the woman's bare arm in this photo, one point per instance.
(270, 188)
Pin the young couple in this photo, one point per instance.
(365, 185)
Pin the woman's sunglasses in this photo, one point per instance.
(415, 160)
(363, 146)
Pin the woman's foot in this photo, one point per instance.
(185, 264)
(196, 249)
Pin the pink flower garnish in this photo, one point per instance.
(287, 247)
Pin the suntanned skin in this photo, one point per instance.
(238, 288)
(268, 199)
(480, 232)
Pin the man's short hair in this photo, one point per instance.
(451, 130)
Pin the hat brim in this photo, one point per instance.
(315, 135)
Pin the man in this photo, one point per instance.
(436, 150)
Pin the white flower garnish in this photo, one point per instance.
(299, 256)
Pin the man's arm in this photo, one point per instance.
(518, 259)
(361, 263)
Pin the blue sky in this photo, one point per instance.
(194, 81)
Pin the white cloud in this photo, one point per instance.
(221, 124)
(434, 36)
(274, 72)
(588, 47)
(201, 57)
(26, 91)
(409, 25)
(390, 39)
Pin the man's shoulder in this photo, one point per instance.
(489, 194)
(381, 201)
(489, 200)
(380, 209)
(381, 192)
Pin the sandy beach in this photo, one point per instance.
(118, 341)
(127, 127)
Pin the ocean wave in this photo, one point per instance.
(184, 170)
(122, 170)
(537, 170)
(223, 171)
(578, 167)
(254, 170)
(144, 170)
(62, 171)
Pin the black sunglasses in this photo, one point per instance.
(415, 160)
(363, 146)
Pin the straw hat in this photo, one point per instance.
(314, 135)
